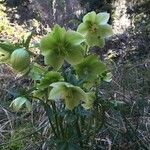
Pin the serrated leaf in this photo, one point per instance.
(48, 79)
(36, 72)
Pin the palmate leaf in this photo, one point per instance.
(48, 79)
(72, 95)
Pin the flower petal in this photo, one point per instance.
(82, 28)
(93, 39)
(47, 43)
(90, 17)
(57, 93)
(74, 55)
(54, 59)
(105, 31)
(74, 38)
(102, 18)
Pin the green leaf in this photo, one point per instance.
(82, 28)
(54, 59)
(108, 77)
(36, 71)
(74, 55)
(7, 47)
(27, 42)
(90, 17)
(18, 103)
(28, 106)
(102, 18)
(89, 101)
(4, 55)
(74, 38)
(48, 79)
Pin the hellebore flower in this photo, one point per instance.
(72, 95)
(90, 68)
(60, 45)
(95, 28)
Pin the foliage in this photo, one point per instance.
(77, 90)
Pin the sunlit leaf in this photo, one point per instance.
(18, 103)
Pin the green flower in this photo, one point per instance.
(60, 45)
(95, 28)
(72, 95)
(90, 68)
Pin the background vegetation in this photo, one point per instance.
(127, 54)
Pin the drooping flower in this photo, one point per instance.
(60, 45)
(72, 95)
(95, 28)
(90, 68)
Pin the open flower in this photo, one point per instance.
(90, 68)
(95, 28)
(72, 95)
(60, 45)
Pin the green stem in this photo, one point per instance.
(48, 113)
(56, 117)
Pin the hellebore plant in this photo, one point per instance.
(67, 84)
